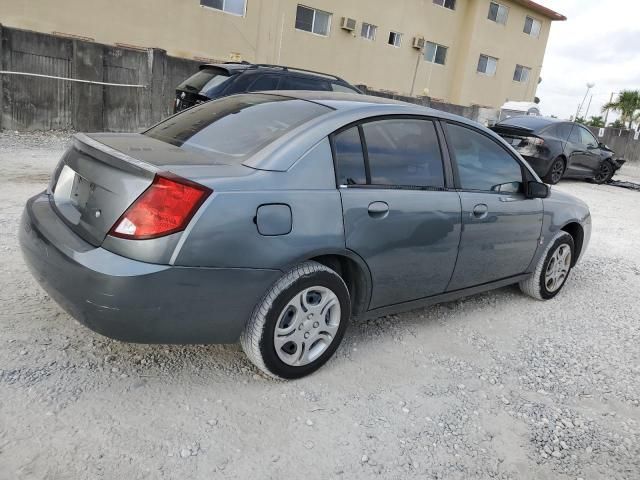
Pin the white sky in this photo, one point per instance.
(599, 43)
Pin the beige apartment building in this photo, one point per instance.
(468, 52)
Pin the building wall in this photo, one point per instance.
(267, 34)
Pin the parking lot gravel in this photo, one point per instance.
(496, 385)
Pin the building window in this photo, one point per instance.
(312, 20)
(395, 39)
(435, 53)
(521, 74)
(234, 7)
(368, 31)
(487, 65)
(532, 27)
(450, 4)
(498, 13)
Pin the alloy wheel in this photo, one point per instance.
(557, 170)
(307, 326)
(558, 268)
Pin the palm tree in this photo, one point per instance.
(627, 104)
(596, 122)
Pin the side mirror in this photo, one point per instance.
(591, 146)
(537, 190)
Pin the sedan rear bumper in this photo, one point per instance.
(135, 301)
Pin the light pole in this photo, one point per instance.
(589, 87)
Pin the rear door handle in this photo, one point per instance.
(378, 209)
(509, 199)
(480, 211)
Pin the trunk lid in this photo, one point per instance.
(523, 139)
(101, 175)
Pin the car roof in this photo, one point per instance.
(532, 122)
(239, 67)
(345, 108)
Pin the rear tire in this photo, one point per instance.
(605, 173)
(552, 270)
(298, 325)
(556, 171)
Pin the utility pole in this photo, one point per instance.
(606, 113)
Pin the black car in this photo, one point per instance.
(557, 148)
(222, 79)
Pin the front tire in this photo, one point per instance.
(604, 174)
(297, 326)
(552, 270)
(556, 171)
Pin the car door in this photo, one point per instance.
(501, 228)
(592, 153)
(578, 155)
(398, 214)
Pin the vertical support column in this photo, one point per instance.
(87, 99)
(5, 56)
(157, 90)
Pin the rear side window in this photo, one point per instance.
(302, 83)
(404, 152)
(234, 128)
(574, 136)
(265, 82)
(205, 81)
(337, 87)
(350, 168)
(482, 163)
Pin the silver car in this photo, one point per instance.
(275, 218)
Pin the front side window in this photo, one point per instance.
(337, 87)
(587, 138)
(435, 53)
(313, 20)
(487, 65)
(403, 152)
(521, 74)
(350, 168)
(498, 13)
(235, 7)
(395, 39)
(482, 163)
(450, 4)
(368, 31)
(234, 128)
(532, 27)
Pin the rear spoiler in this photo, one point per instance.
(513, 130)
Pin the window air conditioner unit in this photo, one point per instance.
(418, 42)
(348, 24)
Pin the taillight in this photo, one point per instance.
(164, 208)
(535, 141)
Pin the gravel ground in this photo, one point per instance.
(493, 386)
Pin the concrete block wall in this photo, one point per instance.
(38, 103)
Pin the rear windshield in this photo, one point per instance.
(234, 128)
(204, 81)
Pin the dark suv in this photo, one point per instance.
(557, 148)
(222, 79)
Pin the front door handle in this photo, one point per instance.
(480, 211)
(378, 209)
(509, 199)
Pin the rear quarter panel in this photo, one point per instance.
(226, 235)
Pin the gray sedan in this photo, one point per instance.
(274, 219)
